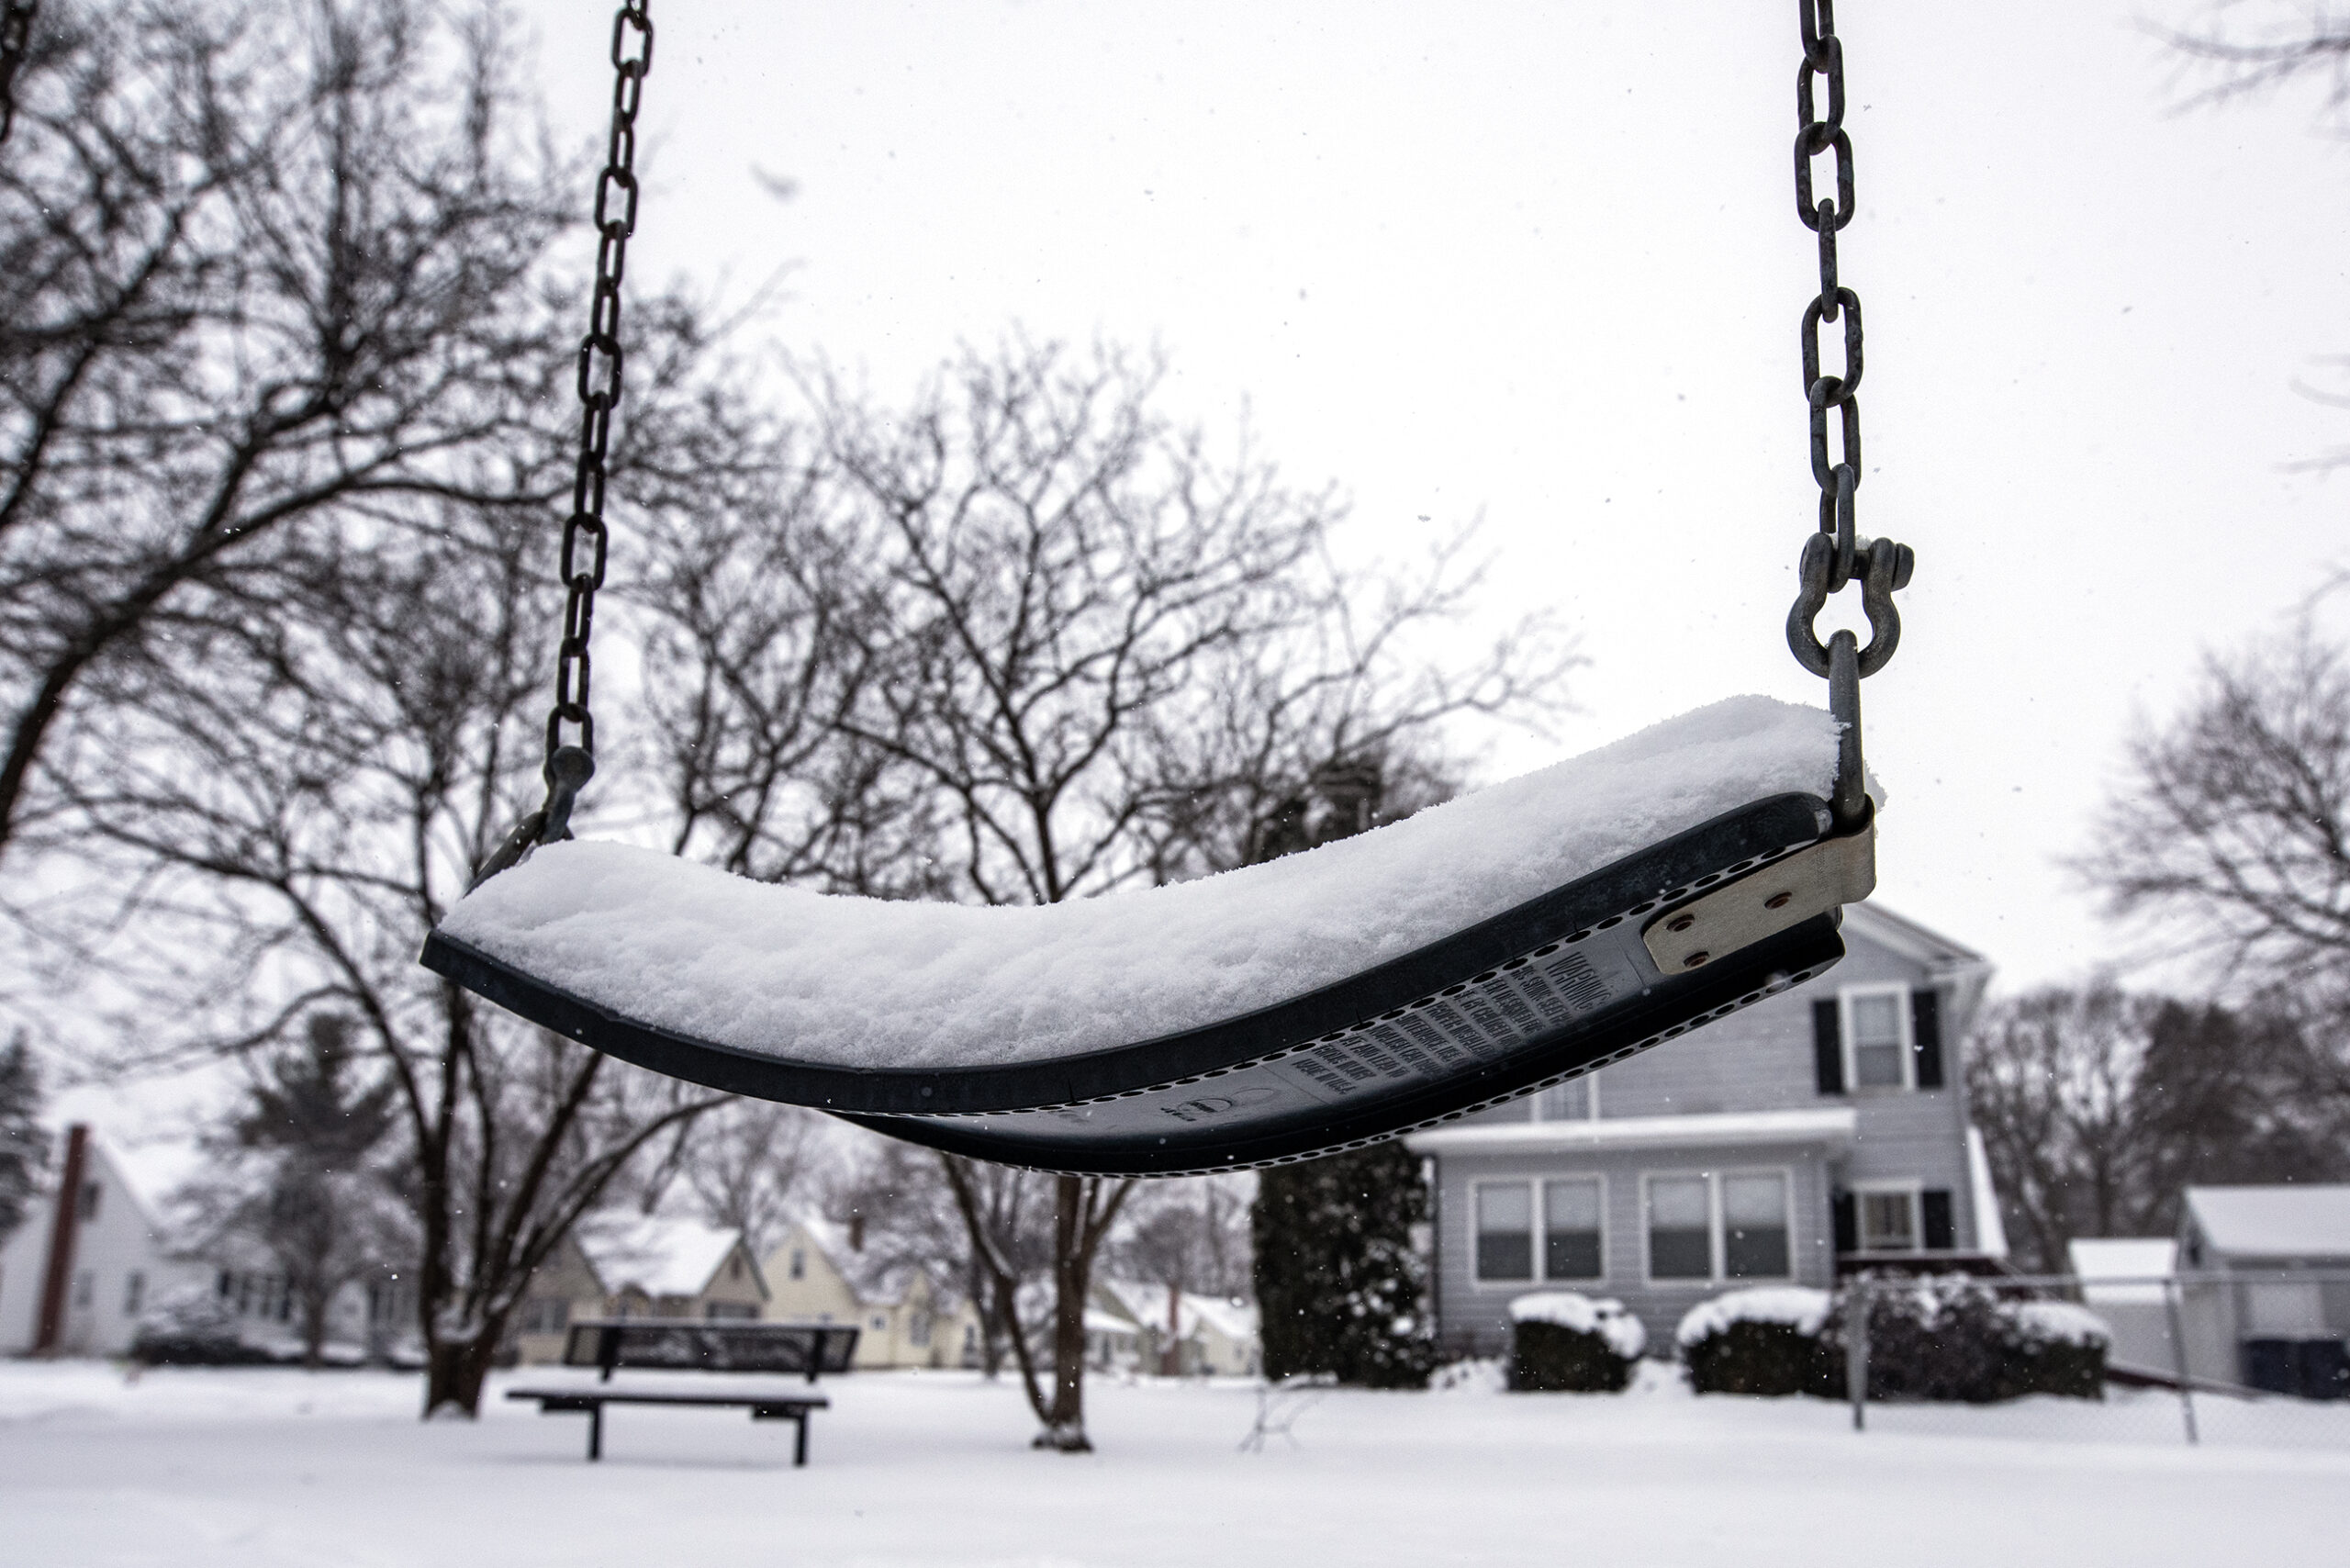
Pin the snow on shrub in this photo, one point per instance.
(1800, 1309)
(1561, 1342)
(1761, 1341)
(191, 1327)
(1937, 1338)
(2062, 1323)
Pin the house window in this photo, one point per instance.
(1731, 1225)
(1889, 1219)
(1505, 1230)
(134, 1293)
(91, 1193)
(1570, 1229)
(1681, 1242)
(799, 1264)
(1574, 1101)
(1876, 1037)
(546, 1315)
(1754, 1227)
(730, 1312)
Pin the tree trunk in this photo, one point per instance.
(1072, 1268)
(454, 1371)
(314, 1328)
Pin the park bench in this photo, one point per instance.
(671, 1345)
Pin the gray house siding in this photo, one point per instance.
(1761, 1059)
(1473, 1315)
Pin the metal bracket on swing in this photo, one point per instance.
(1782, 895)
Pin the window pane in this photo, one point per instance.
(1504, 1207)
(1754, 1227)
(1505, 1231)
(1877, 1067)
(1570, 1230)
(1566, 1102)
(1680, 1232)
(1876, 1019)
(1888, 1222)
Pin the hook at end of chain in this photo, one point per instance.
(568, 771)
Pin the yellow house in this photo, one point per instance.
(1212, 1337)
(821, 1273)
(637, 1266)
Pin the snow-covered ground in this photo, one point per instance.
(259, 1468)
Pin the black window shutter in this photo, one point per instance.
(1848, 1223)
(1828, 1047)
(1926, 1036)
(1941, 1234)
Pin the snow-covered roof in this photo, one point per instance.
(2138, 1262)
(2307, 1221)
(1145, 1300)
(657, 1254)
(1835, 1126)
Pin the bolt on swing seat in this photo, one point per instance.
(1511, 939)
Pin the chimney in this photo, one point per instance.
(62, 1230)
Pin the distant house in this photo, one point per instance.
(1211, 1335)
(615, 1265)
(89, 1260)
(2268, 1329)
(1814, 1133)
(2127, 1282)
(822, 1272)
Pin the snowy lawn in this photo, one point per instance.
(258, 1468)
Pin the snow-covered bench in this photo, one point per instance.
(641, 1344)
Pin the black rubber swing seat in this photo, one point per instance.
(1512, 939)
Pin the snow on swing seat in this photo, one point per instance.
(798, 976)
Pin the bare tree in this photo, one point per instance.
(282, 827)
(2232, 824)
(1023, 642)
(746, 1164)
(261, 265)
(2097, 1108)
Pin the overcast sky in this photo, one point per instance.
(1540, 263)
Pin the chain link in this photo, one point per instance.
(584, 537)
(1835, 555)
(570, 763)
(15, 33)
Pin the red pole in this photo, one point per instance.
(62, 1234)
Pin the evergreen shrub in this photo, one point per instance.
(1565, 1343)
(1948, 1339)
(1339, 1282)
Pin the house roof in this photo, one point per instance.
(1145, 1302)
(2141, 1262)
(1834, 1125)
(657, 1254)
(2306, 1221)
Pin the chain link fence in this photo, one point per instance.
(2244, 1358)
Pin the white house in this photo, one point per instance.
(2126, 1281)
(88, 1260)
(2267, 1298)
(1210, 1336)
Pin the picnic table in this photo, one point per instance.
(676, 1345)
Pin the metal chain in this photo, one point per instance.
(1835, 554)
(15, 31)
(569, 764)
